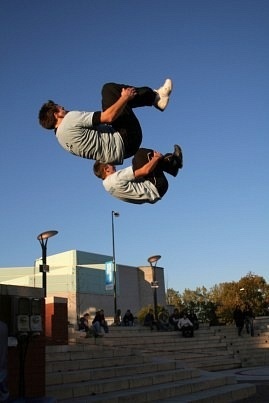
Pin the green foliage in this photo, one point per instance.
(173, 297)
(143, 311)
(217, 305)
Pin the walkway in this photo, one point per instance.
(257, 375)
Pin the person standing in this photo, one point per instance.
(249, 319)
(238, 316)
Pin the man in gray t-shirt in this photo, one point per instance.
(109, 136)
(144, 181)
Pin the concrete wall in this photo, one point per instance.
(80, 278)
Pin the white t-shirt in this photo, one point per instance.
(77, 135)
(123, 185)
(184, 322)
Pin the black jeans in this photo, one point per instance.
(157, 177)
(127, 123)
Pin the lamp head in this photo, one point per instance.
(47, 234)
(115, 214)
(154, 259)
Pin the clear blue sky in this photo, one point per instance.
(212, 225)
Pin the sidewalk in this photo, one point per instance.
(257, 375)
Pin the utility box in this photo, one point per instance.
(23, 311)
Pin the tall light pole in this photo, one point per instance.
(44, 268)
(154, 284)
(114, 214)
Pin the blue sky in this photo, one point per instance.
(212, 225)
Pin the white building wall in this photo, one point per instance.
(80, 277)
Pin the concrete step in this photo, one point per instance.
(128, 384)
(83, 351)
(204, 387)
(55, 370)
(225, 394)
(110, 371)
(208, 363)
(144, 366)
(190, 345)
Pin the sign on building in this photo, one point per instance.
(109, 276)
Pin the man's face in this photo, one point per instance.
(110, 169)
(61, 112)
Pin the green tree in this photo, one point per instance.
(254, 291)
(217, 305)
(173, 297)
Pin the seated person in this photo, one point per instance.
(186, 326)
(163, 319)
(150, 320)
(194, 320)
(83, 323)
(174, 318)
(99, 323)
(128, 319)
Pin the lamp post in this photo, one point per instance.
(114, 214)
(154, 284)
(44, 268)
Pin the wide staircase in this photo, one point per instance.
(252, 351)
(143, 366)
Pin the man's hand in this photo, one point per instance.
(128, 93)
(149, 166)
(157, 155)
(111, 113)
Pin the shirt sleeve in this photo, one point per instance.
(119, 181)
(96, 119)
(85, 119)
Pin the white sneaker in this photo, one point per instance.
(162, 95)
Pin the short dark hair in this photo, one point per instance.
(46, 115)
(98, 169)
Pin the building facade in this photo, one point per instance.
(81, 277)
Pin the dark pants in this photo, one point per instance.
(127, 123)
(187, 331)
(157, 177)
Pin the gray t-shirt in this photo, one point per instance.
(123, 185)
(77, 135)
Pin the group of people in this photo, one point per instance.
(98, 327)
(127, 320)
(181, 321)
(244, 317)
(114, 134)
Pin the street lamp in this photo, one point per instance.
(154, 284)
(44, 268)
(114, 214)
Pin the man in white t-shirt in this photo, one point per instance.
(185, 325)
